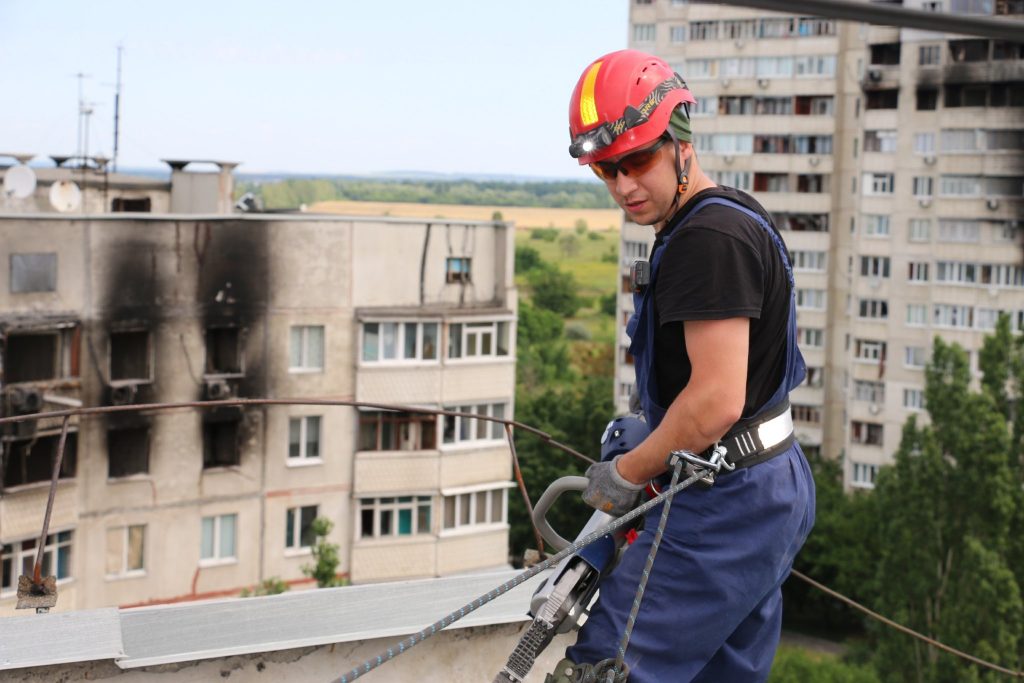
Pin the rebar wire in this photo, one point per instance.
(37, 570)
(903, 629)
(522, 489)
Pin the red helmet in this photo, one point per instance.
(622, 101)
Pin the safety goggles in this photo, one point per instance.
(632, 165)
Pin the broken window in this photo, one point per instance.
(382, 430)
(882, 99)
(885, 54)
(33, 356)
(973, 95)
(457, 269)
(133, 205)
(28, 461)
(33, 273)
(927, 99)
(129, 355)
(968, 50)
(223, 351)
(127, 452)
(220, 442)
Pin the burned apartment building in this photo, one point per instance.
(167, 505)
(892, 160)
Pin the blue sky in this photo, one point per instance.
(451, 86)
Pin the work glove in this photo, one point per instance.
(607, 490)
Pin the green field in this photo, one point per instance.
(596, 273)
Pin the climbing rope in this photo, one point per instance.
(417, 638)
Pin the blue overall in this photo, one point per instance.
(712, 610)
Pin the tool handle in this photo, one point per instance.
(540, 510)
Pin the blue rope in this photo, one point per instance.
(451, 618)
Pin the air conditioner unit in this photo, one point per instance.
(874, 409)
(24, 400)
(726, 83)
(930, 160)
(728, 158)
(814, 161)
(924, 202)
(739, 43)
(992, 204)
(874, 74)
(763, 83)
(124, 394)
(217, 390)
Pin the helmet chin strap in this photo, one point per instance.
(682, 178)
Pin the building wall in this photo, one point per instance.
(252, 282)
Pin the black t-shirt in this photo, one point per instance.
(721, 264)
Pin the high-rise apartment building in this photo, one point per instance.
(165, 505)
(893, 163)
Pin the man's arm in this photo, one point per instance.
(709, 405)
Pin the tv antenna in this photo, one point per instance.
(117, 110)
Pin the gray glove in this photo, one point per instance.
(607, 490)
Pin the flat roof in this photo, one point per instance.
(164, 634)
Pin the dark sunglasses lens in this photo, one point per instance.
(603, 170)
(638, 163)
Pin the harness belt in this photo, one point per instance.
(753, 441)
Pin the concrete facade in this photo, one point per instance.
(893, 163)
(178, 504)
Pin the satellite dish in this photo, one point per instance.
(19, 181)
(65, 196)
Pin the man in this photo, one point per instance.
(714, 343)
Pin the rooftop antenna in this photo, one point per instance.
(80, 143)
(117, 109)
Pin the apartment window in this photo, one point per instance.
(306, 348)
(19, 557)
(131, 205)
(30, 461)
(304, 439)
(878, 183)
(127, 452)
(915, 356)
(869, 350)
(1005, 231)
(218, 541)
(129, 355)
(929, 55)
(813, 26)
(643, 33)
(771, 182)
(741, 180)
(1001, 275)
(864, 475)
(677, 34)
(810, 298)
(876, 225)
(917, 315)
(882, 99)
(697, 69)
(810, 337)
(877, 309)
(813, 261)
(728, 143)
(919, 229)
(917, 271)
(298, 531)
(815, 65)
(966, 95)
(815, 378)
(950, 315)
(812, 144)
(737, 67)
(220, 441)
(394, 516)
(874, 266)
(806, 413)
(961, 140)
(880, 141)
(927, 99)
(223, 351)
(126, 550)
(986, 318)
(705, 106)
(956, 272)
(40, 355)
(970, 50)
(33, 273)
(781, 27)
(924, 143)
(1004, 186)
(458, 269)
(923, 186)
(459, 429)
(478, 339)
(394, 430)
(625, 391)
(703, 30)
(476, 508)
(632, 250)
(871, 392)
(913, 399)
(394, 342)
(866, 433)
(1004, 140)
(812, 182)
(738, 29)
(772, 67)
(956, 230)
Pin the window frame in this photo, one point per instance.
(302, 459)
(303, 368)
(295, 513)
(21, 558)
(394, 505)
(126, 572)
(217, 559)
(465, 327)
(458, 496)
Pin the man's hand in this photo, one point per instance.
(608, 491)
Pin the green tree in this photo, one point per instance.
(945, 511)
(580, 226)
(325, 556)
(542, 355)
(527, 258)
(554, 290)
(497, 216)
(569, 244)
